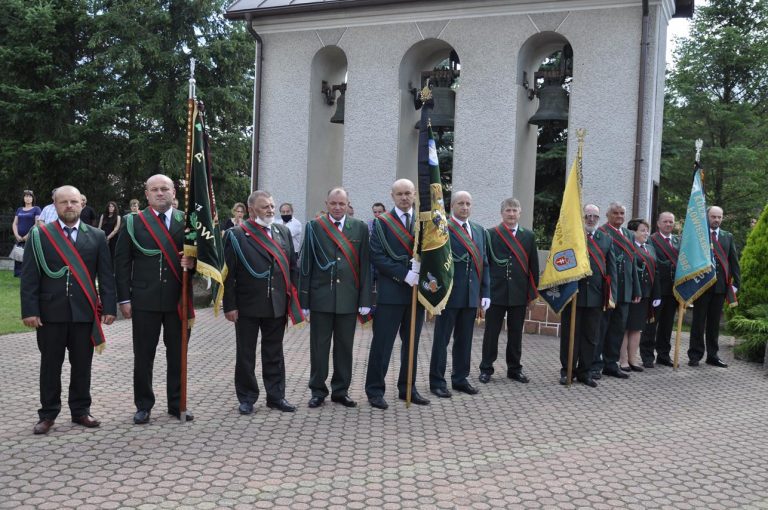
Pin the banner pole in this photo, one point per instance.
(571, 339)
(680, 313)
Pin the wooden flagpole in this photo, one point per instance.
(185, 275)
(571, 339)
(680, 313)
(411, 342)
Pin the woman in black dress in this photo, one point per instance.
(109, 222)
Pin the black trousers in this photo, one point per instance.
(613, 324)
(387, 321)
(657, 336)
(324, 327)
(146, 336)
(53, 340)
(272, 361)
(494, 319)
(585, 336)
(706, 320)
(460, 322)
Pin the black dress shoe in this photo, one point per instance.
(597, 376)
(465, 387)
(717, 362)
(378, 402)
(563, 380)
(519, 377)
(693, 363)
(86, 420)
(281, 405)
(635, 368)
(616, 373)
(484, 378)
(177, 414)
(245, 408)
(664, 361)
(441, 392)
(588, 382)
(648, 364)
(141, 417)
(416, 399)
(315, 402)
(345, 401)
(625, 369)
(42, 427)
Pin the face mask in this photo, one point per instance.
(286, 217)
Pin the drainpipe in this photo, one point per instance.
(640, 109)
(258, 63)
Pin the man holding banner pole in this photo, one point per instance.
(708, 308)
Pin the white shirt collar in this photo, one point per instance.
(342, 221)
(400, 212)
(168, 215)
(76, 227)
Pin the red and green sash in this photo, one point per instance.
(162, 238)
(258, 236)
(341, 241)
(597, 255)
(722, 259)
(669, 251)
(514, 246)
(621, 240)
(398, 229)
(77, 268)
(469, 245)
(650, 264)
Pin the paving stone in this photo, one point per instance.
(692, 438)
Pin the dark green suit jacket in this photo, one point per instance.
(326, 280)
(666, 261)
(147, 281)
(592, 288)
(510, 285)
(729, 248)
(626, 267)
(255, 296)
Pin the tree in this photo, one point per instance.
(95, 92)
(718, 91)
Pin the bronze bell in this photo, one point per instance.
(553, 105)
(444, 109)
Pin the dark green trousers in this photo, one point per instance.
(324, 327)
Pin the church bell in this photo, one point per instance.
(444, 109)
(553, 105)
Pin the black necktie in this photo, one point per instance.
(464, 226)
(69, 231)
(162, 218)
(406, 221)
(338, 224)
(590, 235)
(266, 230)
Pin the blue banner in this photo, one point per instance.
(695, 267)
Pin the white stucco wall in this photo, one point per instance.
(603, 100)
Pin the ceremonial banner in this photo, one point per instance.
(695, 271)
(202, 237)
(568, 260)
(432, 238)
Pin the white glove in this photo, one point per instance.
(735, 290)
(485, 303)
(305, 312)
(364, 310)
(412, 278)
(656, 302)
(415, 266)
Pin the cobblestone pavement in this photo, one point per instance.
(695, 438)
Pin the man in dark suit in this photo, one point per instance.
(614, 321)
(657, 334)
(708, 308)
(334, 286)
(59, 299)
(259, 294)
(514, 271)
(471, 288)
(392, 256)
(596, 294)
(148, 270)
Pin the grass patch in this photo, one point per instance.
(10, 306)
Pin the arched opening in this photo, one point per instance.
(325, 155)
(438, 62)
(545, 69)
